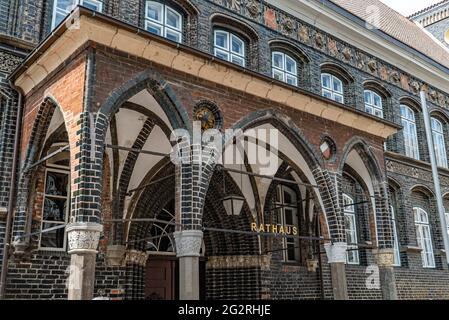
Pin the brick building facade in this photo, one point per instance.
(89, 99)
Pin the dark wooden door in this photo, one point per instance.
(161, 281)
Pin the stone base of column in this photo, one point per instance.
(188, 246)
(336, 256)
(385, 259)
(82, 277)
(83, 239)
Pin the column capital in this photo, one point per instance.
(336, 252)
(83, 237)
(188, 243)
(384, 257)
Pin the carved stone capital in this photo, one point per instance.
(188, 243)
(384, 257)
(136, 257)
(83, 237)
(115, 255)
(336, 252)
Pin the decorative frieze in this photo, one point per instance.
(239, 262)
(8, 62)
(290, 26)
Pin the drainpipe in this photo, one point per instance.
(436, 178)
(12, 193)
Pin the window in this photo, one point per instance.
(55, 201)
(397, 253)
(229, 47)
(373, 104)
(438, 143)
(163, 20)
(409, 132)
(62, 8)
(332, 87)
(447, 222)
(284, 68)
(424, 237)
(352, 255)
(286, 201)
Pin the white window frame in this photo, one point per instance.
(56, 169)
(286, 242)
(162, 24)
(396, 249)
(334, 94)
(439, 142)
(227, 50)
(281, 71)
(408, 120)
(352, 255)
(67, 11)
(447, 221)
(422, 228)
(370, 103)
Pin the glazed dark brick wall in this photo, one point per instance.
(432, 284)
(42, 276)
(356, 278)
(232, 284)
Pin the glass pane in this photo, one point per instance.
(338, 98)
(378, 113)
(66, 5)
(287, 197)
(172, 35)
(221, 39)
(291, 252)
(369, 109)
(154, 28)
(237, 45)
(292, 80)
(338, 85)
(154, 11)
(93, 5)
(327, 94)
(326, 81)
(56, 183)
(238, 60)
(54, 238)
(221, 54)
(290, 65)
(59, 18)
(377, 101)
(173, 19)
(54, 209)
(368, 97)
(278, 75)
(288, 217)
(278, 60)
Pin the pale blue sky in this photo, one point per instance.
(407, 7)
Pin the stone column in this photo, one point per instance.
(188, 246)
(385, 258)
(83, 239)
(336, 256)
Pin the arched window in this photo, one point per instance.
(163, 20)
(229, 46)
(424, 237)
(409, 132)
(332, 87)
(397, 253)
(352, 255)
(288, 217)
(438, 142)
(56, 196)
(62, 8)
(284, 68)
(373, 103)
